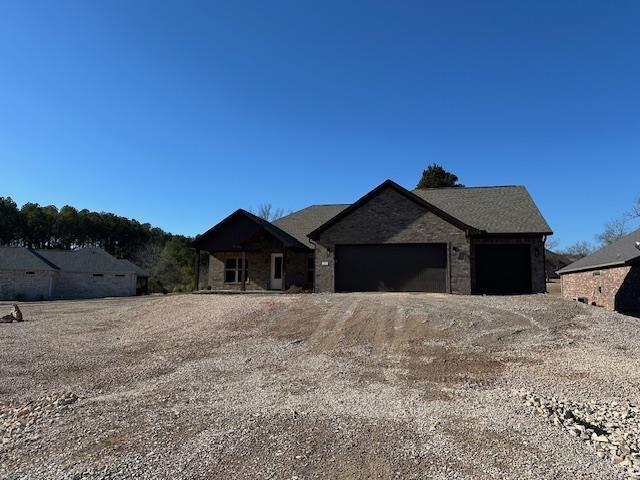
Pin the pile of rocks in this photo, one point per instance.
(18, 421)
(612, 429)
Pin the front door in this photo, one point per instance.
(275, 282)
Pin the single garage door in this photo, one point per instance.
(391, 268)
(503, 269)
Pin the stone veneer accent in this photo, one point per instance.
(389, 218)
(615, 288)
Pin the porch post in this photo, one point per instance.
(244, 269)
(197, 282)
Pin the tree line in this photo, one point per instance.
(168, 258)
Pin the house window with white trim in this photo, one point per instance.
(233, 270)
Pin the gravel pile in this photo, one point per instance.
(611, 429)
(17, 422)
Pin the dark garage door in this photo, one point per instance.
(391, 268)
(503, 269)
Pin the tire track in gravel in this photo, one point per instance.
(385, 329)
(329, 332)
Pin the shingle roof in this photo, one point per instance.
(286, 237)
(232, 242)
(20, 258)
(84, 260)
(132, 267)
(299, 224)
(620, 252)
(498, 210)
(502, 209)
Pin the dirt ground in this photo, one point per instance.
(554, 287)
(310, 386)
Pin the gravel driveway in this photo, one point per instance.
(307, 386)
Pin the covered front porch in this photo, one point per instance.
(247, 253)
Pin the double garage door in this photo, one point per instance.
(391, 268)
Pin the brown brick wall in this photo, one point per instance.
(296, 269)
(392, 218)
(616, 288)
(259, 270)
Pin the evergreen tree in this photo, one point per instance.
(10, 222)
(437, 177)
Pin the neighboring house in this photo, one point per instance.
(609, 277)
(453, 240)
(49, 274)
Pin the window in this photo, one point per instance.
(30, 273)
(98, 275)
(599, 289)
(233, 270)
(311, 266)
(596, 273)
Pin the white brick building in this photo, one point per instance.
(27, 274)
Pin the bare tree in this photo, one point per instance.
(614, 230)
(551, 244)
(581, 249)
(266, 211)
(635, 208)
(619, 227)
(148, 256)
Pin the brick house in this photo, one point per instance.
(485, 240)
(609, 277)
(28, 274)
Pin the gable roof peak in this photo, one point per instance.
(388, 183)
(285, 237)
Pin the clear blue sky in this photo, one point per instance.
(177, 113)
